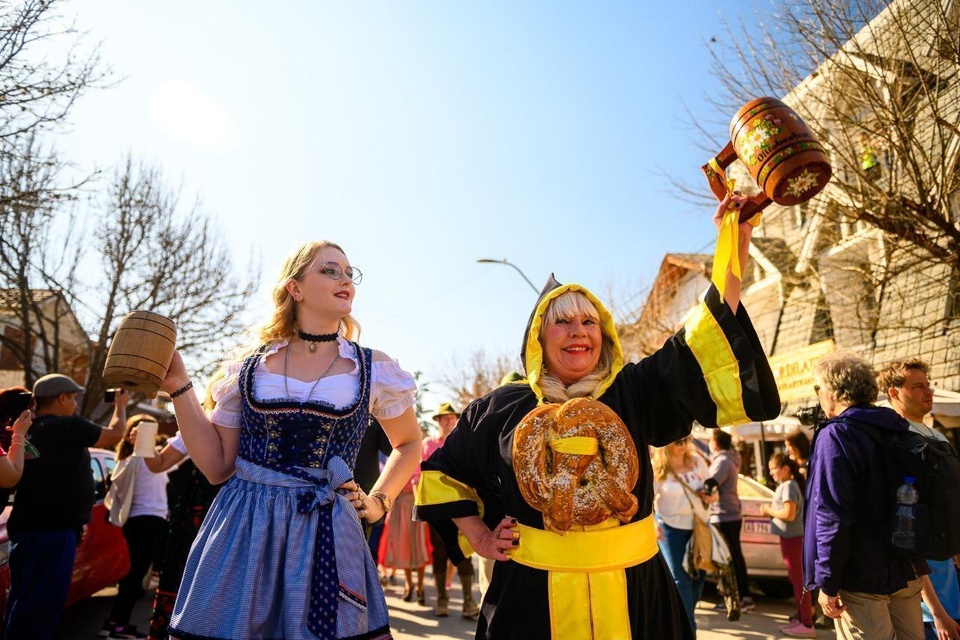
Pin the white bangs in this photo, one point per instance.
(568, 305)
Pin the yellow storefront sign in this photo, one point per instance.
(794, 371)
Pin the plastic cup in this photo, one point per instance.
(145, 446)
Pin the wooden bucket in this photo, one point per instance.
(778, 149)
(140, 353)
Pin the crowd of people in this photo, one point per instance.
(304, 479)
(829, 510)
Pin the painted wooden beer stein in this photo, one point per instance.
(788, 164)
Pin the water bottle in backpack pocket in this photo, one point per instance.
(904, 529)
(922, 480)
(923, 520)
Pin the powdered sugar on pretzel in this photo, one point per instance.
(576, 463)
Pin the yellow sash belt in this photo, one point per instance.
(587, 568)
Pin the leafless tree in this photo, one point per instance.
(881, 93)
(876, 255)
(44, 67)
(30, 202)
(135, 248)
(68, 274)
(159, 256)
(479, 375)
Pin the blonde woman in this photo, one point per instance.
(674, 466)
(282, 544)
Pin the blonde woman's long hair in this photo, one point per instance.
(565, 306)
(282, 324)
(661, 461)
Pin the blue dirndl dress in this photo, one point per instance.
(281, 554)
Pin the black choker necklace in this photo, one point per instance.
(314, 338)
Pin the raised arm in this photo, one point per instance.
(745, 231)
(212, 447)
(118, 423)
(166, 458)
(11, 465)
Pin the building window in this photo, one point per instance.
(822, 323)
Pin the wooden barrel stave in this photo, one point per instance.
(140, 353)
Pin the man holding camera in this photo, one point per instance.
(53, 505)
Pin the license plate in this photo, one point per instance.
(756, 526)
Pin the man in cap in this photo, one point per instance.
(446, 417)
(53, 504)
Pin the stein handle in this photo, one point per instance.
(753, 206)
(715, 171)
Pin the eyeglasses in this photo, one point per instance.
(816, 389)
(334, 271)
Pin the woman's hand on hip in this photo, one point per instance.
(367, 509)
(499, 542)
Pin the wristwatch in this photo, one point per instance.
(385, 502)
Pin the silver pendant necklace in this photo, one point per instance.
(286, 360)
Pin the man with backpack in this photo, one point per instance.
(911, 396)
(869, 591)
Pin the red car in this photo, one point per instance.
(102, 557)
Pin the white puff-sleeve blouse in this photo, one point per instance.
(392, 390)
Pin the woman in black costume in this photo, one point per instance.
(592, 581)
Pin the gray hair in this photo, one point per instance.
(851, 378)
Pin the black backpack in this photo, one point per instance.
(935, 468)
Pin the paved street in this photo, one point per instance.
(410, 620)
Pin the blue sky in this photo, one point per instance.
(421, 136)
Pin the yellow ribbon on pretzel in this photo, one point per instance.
(576, 445)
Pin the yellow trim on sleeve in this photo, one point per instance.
(436, 487)
(721, 371)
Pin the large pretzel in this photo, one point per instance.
(566, 477)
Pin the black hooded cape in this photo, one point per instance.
(713, 371)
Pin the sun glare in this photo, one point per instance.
(185, 112)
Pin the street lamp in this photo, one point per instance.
(510, 264)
